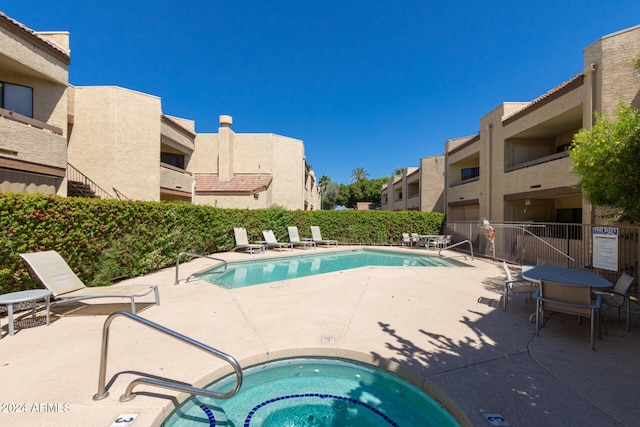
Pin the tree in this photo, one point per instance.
(323, 182)
(365, 190)
(330, 196)
(606, 158)
(358, 174)
(328, 192)
(398, 172)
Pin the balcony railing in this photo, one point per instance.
(12, 115)
(465, 181)
(538, 161)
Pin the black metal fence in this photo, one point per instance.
(570, 244)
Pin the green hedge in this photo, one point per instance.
(103, 240)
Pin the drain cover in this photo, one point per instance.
(496, 419)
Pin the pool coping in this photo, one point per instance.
(200, 274)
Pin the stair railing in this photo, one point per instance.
(196, 256)
(168, 383)
(73, 174)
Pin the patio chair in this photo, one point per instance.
(272, 242)
(56, 275)
(407, 240)
(618, 295)
(294, 239)
(242, 242)
(569, 299)
(317, 237)
(515, 285)
(435, 242)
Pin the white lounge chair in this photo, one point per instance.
(272, 242)
(242, 241)
(317, 237)
(294, 238)
(438, 242)
(408, 240)
(514, 285)
(56, 275)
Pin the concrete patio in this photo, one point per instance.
(442, 328)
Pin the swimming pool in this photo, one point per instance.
(249, 273)
(314, 392)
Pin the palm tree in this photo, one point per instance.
(358, 174)
(398, 172)
(323, 182)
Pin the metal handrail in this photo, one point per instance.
(523, 227)
(198, 256)
(73, 174)
(119, 194)
(458, 244)
(169, 384)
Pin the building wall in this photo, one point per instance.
(115, 140)
(615, 78)
(33, 150)
(525, 170)
(115, 137)
(235, 201)
(422, 188)
(177, 138)
(390, 200)
(205, 157)
(432, 183)
(228, 153)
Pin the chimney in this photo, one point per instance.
(225, 149)
(226, 121)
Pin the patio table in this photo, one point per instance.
(30, 296)
(537, 273)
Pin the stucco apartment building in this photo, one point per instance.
(517, 167)
(253, 170)
(418, 188)
(114, 142)
(33, 109)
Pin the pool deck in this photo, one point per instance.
(443, 328)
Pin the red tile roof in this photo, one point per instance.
(239, 184)
(27, 33)
(554, 93)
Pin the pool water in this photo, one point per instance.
(249, 273)
(314, 392)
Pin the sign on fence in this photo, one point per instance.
(605, 248)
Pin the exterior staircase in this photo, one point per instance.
(79, 189)
(80, 185)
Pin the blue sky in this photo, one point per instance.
(376, 84)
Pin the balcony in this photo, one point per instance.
(176, 136)
(11, 115)
(537, 161)
(24, 139)
(175, 180)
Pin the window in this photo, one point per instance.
(172, 159)
(470, 173)
(16, 98)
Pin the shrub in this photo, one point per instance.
(103, 240)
